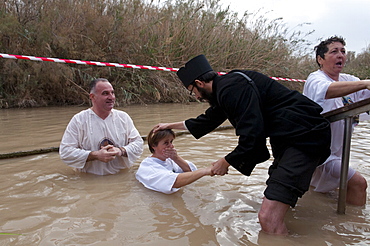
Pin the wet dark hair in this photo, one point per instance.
(154, 138)
(94, 82)
(322, 48)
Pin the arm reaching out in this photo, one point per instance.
(189, 177)
(343, 88)
(175, 125)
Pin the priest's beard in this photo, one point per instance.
(207, 96)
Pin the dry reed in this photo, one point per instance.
(137, 32)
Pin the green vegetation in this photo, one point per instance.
(143, 33)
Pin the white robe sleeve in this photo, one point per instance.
(70, 151)
(134, 146)
(316, 87)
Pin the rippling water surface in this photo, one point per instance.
(44, 202)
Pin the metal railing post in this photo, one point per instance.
(345, 164)
(346, 113)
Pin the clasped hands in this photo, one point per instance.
(108, 153)
(220, 167)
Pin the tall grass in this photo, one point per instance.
(136, 32)
(360, 64)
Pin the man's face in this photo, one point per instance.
(103, 98)
(334, 59)
(202, 94)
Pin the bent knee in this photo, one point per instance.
(263, 217)
(357, 182)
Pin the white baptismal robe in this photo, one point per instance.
(159, 175)
(87, 132)
(327, 176)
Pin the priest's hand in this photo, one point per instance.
(220, 167)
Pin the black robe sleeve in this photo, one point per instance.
(207, 122)
(242, 106)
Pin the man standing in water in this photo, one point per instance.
(259, 107)
(331, 89)
(101, 140)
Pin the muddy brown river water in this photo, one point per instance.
(44, 202)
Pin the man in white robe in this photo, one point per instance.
(332, 89)
(101, 140)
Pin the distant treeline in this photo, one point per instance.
(144, 33)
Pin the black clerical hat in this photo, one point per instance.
(193, 69)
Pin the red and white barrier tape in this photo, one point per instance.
(286, 79)
(108, 64)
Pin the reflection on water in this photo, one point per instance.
(44, 202)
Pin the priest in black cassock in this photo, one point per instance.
(259, 108)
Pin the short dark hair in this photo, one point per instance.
(154, 138)
(207, 77)
(94, 82)
(322, 48)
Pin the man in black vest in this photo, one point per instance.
(259, 107)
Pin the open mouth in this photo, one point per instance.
(339, 63)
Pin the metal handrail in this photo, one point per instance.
(346, 113)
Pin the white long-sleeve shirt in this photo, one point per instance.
(327, 176)
(87, 132)
(159, 175)
(315, 88)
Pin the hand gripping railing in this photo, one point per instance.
(347, 113)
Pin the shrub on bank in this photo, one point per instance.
(134, 32)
